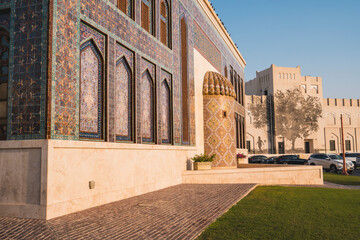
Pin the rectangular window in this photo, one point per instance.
(347, 145)
(332, 145)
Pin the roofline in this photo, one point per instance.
(215, 20)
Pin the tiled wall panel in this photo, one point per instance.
(27, 85)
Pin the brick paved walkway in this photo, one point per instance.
(179, 212)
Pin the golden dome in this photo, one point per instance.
(217, 84)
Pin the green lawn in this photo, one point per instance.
(341, 179)
(291, 213)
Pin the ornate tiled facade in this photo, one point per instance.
(57, 30)
(219, 119)
(166, 107)
(206, 47)
(27, 71)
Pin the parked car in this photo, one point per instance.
(354, 157)
(269, 160)
(291, 159)
(330, 162)
(256, 159)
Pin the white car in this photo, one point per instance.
(330, 162)
(354, 157)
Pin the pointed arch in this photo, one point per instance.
(147, 107)
(91, 91)
(165, 23)
(184, 81)
(123, 100)
(4, 76)
(166, 122)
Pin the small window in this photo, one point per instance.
(347, 145)
(165, 31)
(224, 114)
(332, 145)
(147, 16)
(126, 6)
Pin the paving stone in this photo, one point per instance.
(178, 212)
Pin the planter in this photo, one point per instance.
(202, 165)
(239, 162)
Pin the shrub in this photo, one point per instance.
(203, 158)
(240, 155)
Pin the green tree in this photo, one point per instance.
(297, 116)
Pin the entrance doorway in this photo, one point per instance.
(307, 147)
(281, 147)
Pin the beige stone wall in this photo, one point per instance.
(220, 138)
(350, 109)
(50, 178)
(307, 175)
(329, 124)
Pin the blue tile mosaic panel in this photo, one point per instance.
(147, 107)
(123, 100)
(206, 47)
(4, 69)
(165, 111)
(91, 91)
(28, 54)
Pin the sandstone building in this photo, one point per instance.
(262, 89)
(104, 100)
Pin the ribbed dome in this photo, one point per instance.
(217, 84)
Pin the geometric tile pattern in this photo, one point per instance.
(4, 69)
(206, 47)
(65, 70)
(27, 68)
(219, 128)
(27, 115)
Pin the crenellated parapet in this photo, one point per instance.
(341, 102)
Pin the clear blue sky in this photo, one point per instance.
(322, 36)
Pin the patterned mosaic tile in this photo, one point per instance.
(147, 107)
(165, 106)
(27, 88)
(123, 100)
(27, 114)
(91, 91)
(206, 47)
(220, 136)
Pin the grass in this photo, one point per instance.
(290, 213)
(341, 179)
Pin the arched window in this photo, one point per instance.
(126, 6)
(225, 72)
(147, 108)
(4, 75)
(165, 112)
(148, 15)
(165, 24)
(91, 91)
(184, 81)
(123, 103)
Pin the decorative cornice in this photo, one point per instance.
(208, 9)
